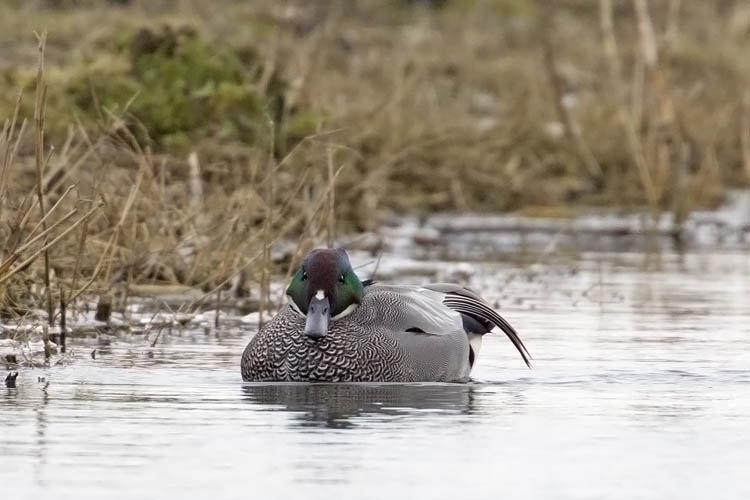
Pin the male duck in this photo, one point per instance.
(337, 328)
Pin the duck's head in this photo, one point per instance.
(324, 288)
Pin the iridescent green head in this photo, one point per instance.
(324, 288)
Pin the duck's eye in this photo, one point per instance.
(342, 279)
(304, 275)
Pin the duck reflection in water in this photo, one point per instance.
(339, 406)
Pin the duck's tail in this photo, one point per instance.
(479, 318)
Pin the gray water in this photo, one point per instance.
(640, 389)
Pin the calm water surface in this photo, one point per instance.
(640, 389)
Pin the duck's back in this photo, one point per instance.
(397, 334)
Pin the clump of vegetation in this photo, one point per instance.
(174, 87)
(178, 86)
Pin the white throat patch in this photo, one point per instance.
(294, 307)
(346, 312)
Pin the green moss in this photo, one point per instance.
(177, 85)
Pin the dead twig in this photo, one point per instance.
(745, 132)
(570, 126)
(41, 101)
(331, 214)
(634, 144)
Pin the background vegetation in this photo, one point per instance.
(182, 139)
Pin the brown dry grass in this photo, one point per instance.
(480, 105)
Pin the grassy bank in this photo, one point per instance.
(196, 134)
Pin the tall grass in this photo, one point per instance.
(26, 238)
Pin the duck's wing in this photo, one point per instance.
(431, 335)
(475, 310)
(419, 310)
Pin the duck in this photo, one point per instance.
(335, 327)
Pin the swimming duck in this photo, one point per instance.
(336, 328)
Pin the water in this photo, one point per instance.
(640, 389)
